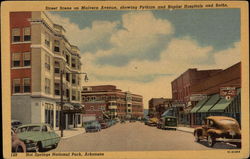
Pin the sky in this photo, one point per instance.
(143, 51)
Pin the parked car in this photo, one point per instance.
(16, 144)
(219, 129)
(152, 122)
(104, 124)
(122, 121)
(92, 126)
(167, 122)
(15, 124)
(37, 136)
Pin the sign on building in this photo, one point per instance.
(227, 92)
(197, 97)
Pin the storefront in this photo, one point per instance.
(216, 105)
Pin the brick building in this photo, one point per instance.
(106, 101)
(39, 51)
(215, 102)
(157, 106)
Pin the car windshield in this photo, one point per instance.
(227, 121)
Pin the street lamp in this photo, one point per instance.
(61, 85)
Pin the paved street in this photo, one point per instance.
(133, 137)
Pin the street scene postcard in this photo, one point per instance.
(125, 79)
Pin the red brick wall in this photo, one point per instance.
(20, 20)
(228, 77)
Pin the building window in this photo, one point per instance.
(47, 40)
(26, 59)
(57, 46)
(70, 119)
(47, 85)
(16, 86)
(57, 89)
(92, 108)
(16, 62)
(73, 79)
(26, 85)
(47, 62)
(26, 34)
(73, 95)
(57, 67)
(67, 59)
(73, 62)
(16, 35)
(67, 77)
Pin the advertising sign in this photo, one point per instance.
(227, 92)
(197, 97)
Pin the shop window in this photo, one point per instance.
(57, 46)
(79, 119)
(26, 85)
(26, 34)
(57, 118)
(16, 86)
(16, 35)
(26, 59)
(16, 62)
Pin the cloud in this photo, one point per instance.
(140, 53)
(90, 38)
(226, 58)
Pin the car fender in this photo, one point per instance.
(199, 131)
(214, 132)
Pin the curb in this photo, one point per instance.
(187, 131)
(65, 137)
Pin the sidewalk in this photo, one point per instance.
(186, 129)
(67, 133)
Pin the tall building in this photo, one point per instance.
(106, 101)
(39, 52)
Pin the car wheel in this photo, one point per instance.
(238, 145)
(39, 147)
(55, 146)
(210, 141)
(196, 136)
(19, 149)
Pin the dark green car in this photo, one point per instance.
(168, 122)
(37, 136)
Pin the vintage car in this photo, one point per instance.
(37, 136)
(167, 123)
(15, 124)
(152, 122)
(104, 124)
(219, 129)
(16, 144)
(92, 126)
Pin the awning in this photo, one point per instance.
(199, 105)
(221, 105)
(209, 103)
